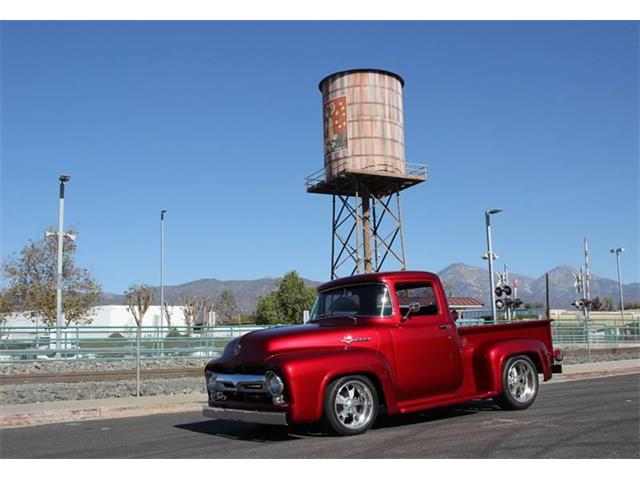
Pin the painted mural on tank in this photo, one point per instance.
(335, 125)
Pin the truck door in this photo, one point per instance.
(426, 345)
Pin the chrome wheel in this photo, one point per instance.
(521, 381)
(354, 405)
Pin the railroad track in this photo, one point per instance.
(100, 376)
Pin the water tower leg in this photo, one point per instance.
(356, 213)
(404, 256)
(366, 232)
(376, 265)
(333, 241)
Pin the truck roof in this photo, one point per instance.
(377, 277)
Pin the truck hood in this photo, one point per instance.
(255, 347)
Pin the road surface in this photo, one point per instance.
(596, 418)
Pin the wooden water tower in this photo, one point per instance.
(364, 169)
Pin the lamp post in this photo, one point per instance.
(63, 179)
(617, 252)
(162, 212)
(490, 256)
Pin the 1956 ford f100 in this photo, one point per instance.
(380, 339)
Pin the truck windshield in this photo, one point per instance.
(370, 300)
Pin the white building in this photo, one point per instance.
(113, 316)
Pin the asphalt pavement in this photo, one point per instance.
(597, 418)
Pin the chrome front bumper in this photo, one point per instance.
(236, 383)
(250, 416)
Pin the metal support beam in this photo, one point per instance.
(366, 230)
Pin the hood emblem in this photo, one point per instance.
(236, 350)
(348, 339)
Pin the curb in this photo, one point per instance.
(570, 377)
(30, 419)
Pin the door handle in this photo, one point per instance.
(444, 326)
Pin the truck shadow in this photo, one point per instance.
(435, 414)
(273, 434)
(243, 431)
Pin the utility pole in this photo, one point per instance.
(617, 252)
(506, 282)
(587, 294)
(162, 212)
(63, 179)
(585, 312)
(490, 257)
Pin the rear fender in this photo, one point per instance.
(489, 362)
(307, 375)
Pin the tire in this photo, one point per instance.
(519, 383)
(350, 405)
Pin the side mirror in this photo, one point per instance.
(414, 307)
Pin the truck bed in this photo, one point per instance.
(478, 335)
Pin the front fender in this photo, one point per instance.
(307, 375)
(489, 362)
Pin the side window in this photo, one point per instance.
(422, 293)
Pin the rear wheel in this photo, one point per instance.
(351, 405)
(519, 383)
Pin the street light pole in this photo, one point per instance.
(490, 258)
(162, 212)
(617, 252)
(63, 179)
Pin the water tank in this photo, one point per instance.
(363, 123)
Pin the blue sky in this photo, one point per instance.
(219, 122)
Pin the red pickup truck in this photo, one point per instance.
(381, 339)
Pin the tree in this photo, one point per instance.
(5, 312)
(607, 304)
(267, 310)
(32, 280)
(190, 306)
(286, 304)
(596, 304)
(226, 306)
(168, 311)
(138, 300)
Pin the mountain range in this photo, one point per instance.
(460, 280)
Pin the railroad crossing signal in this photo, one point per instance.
(507, 303)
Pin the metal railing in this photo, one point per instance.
(610, 331)
(314, 179)
(95, 343)
(410, 169)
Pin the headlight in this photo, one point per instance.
(274, 383)
(211, 380)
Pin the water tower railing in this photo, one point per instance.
(416, 170)
(411, 170)
(314, 179)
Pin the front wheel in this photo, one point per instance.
(519, 383)
(351, 405)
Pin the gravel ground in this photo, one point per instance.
(49, 392)
(96, 366)
(574, 356)
(34, 393)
